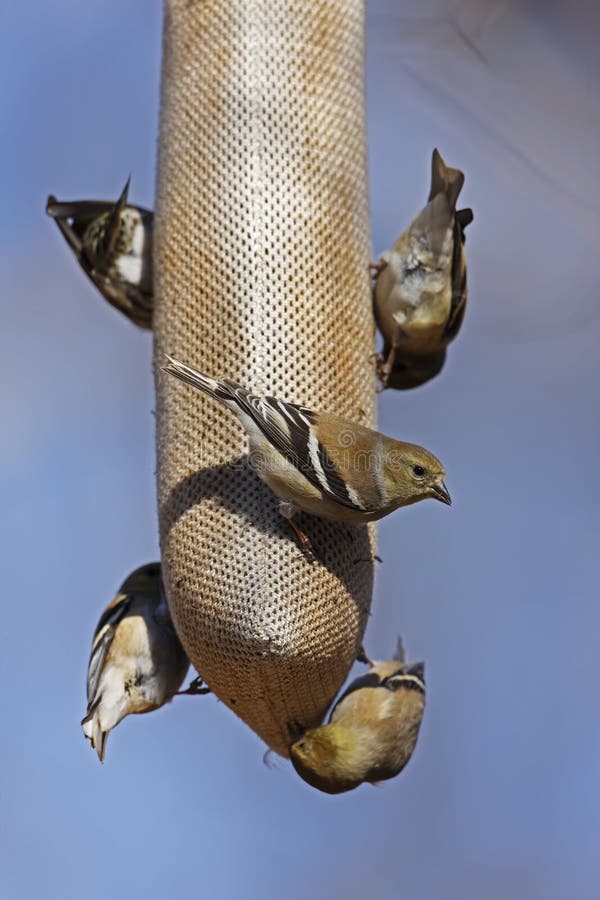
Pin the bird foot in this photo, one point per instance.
(375, 269)
(362, 657)
(384, 370)
(195, 688)
(368, 559)
(385, 364)
(305, 545)
(287, 510)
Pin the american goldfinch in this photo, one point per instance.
(323, 464)
(371, 733)
(420, 290)
(137, 662)
(113, 245)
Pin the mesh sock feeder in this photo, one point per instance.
(261, 256)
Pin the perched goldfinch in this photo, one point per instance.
(420, 290)
(371, 733)
(113, 245)
(137, 662)
(320, 463)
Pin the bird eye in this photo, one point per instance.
(419, 471)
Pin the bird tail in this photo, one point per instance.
(445, 180)
(94, 733)
(114, 224)
(399, 653)
(191, 376)
(432, 224)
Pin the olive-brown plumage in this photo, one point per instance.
(372, 730)
(323, 464)
(137, 663)
(420, 290)
(113, 245)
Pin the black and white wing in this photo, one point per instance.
(409, 677)
(290, 428)
(369, 680)
(103, 638)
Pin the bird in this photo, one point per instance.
(320, 463)
(371, 733)
(113, 244)
(420, 289)
(137, 663)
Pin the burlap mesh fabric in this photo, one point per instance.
(261, 261)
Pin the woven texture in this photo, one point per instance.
(262, 250)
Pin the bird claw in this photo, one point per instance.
(368, 559)
(303, 540)
(380, 371)
(384, 370)
(195, 688)
(385, 365)
(362, 657)
(307, 551)
(375, 269)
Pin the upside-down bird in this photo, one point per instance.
(372, 730)
(137, 663)
(113, 245)
(420, 289)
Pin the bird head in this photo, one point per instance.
(326, 758)
(410, 372)
(412, 473)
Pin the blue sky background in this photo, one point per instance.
(499, 595)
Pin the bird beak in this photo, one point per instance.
(440, 492)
